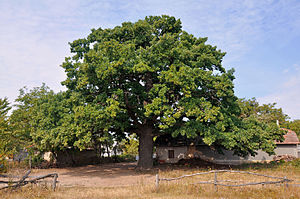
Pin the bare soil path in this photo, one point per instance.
(105, 175)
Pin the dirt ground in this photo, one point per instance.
(105, 175)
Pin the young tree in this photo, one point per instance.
(57, 121)
(267, 113)
(294, 125)
(4, 108)
(5, 131)
(44, 117)
(152, 78)
(22, 116)
(130, 145)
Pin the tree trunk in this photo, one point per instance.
(107, 149)
(145, 149)
(70, 154)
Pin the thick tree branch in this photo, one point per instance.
(130, 110)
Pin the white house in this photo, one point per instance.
(171, 150)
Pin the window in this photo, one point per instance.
(171, 154)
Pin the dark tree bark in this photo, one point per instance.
(145, 148)
(107, 149)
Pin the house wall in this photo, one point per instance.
(206, 153)
(179, 153)
(289, 149)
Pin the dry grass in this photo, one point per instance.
(176, 189)
(148, 191)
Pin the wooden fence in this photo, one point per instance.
(216, 182)
(22, 180)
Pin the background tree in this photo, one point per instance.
(47, 118)
(130, 145)
(153, 78)
(22, 116)
(267, 113)
(6, 138)
(294, 125)
(59, 121)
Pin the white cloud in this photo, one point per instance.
(234, 26)
(34, 34)
(33, 45)
(287, 95)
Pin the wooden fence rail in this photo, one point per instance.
(23, 181)
(217, 182)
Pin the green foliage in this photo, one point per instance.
(36, 160)
(6, 137)
(265, 113)
(5, 134)
(260, 128)
(47, 123)
(125, 158)
(152, 76)
(257, 135)
(58, 121)
(294, 125)
(3, 164)
(22, 118)
(282, 165)
(4, 108)
(130, 146)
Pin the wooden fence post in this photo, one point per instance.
(216, 181)
(54, 182)
(21, 181)
(30, 162)
(157, 181)
(285, 182)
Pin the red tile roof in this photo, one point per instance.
(290, 137)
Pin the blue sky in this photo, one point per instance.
(261, 38)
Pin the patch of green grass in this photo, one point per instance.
(295, 164)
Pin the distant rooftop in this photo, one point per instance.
(290, 137)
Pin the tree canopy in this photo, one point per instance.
(55, 122)
(151, 78)
(293, 125)
(267, 113)
(5, 133)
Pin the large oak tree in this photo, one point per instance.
(152, 78)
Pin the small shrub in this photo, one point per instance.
(36, 160)
(3, 165)
(126, 158)
(295, 163)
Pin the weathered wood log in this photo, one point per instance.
(184, 176)
(217, 182)
(292, 185)
(240, 185)
(252, 183)
(11, 176)
(157, 181)
(222, 171)
(8, 181)
(18, 183)
(54, 182)
(22, 182)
